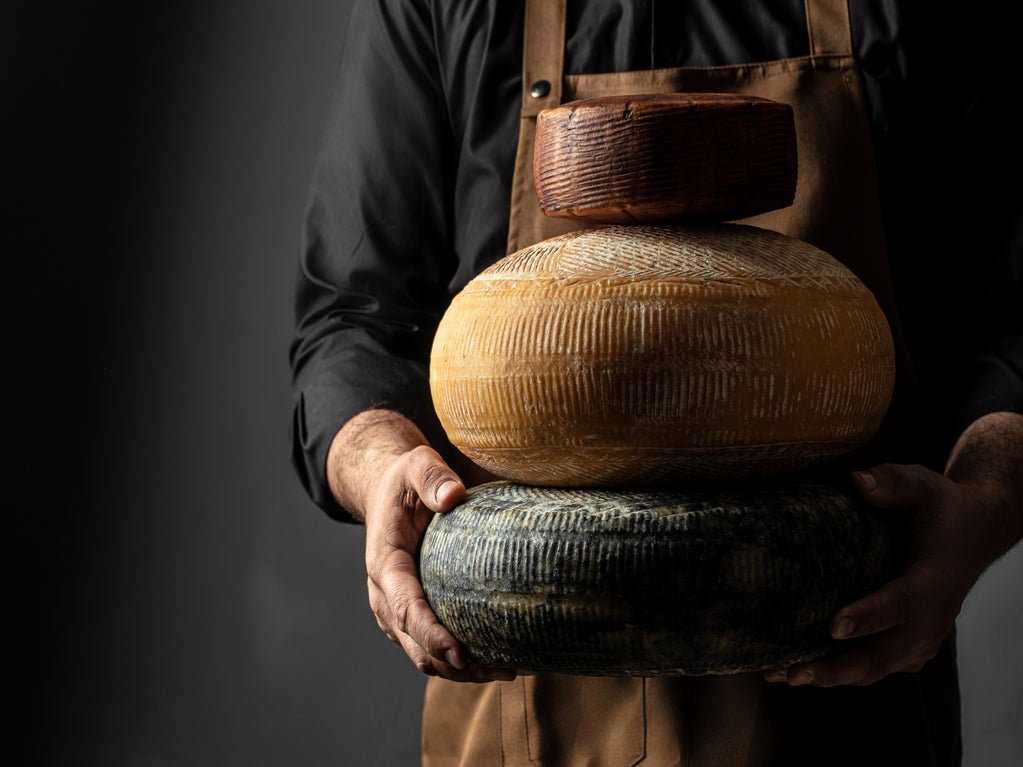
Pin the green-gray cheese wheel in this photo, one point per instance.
(652, 583)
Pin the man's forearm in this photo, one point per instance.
(989, 457)
(360, 452)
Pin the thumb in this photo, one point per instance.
(433, 481)
(895, 486)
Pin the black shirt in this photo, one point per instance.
(409, 196)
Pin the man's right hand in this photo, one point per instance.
(383, 471)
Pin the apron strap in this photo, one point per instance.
(827, 24)
(543, 45)
(543, 55)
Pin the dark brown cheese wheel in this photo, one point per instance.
(614, 583)
(631, 355)
(655, 158)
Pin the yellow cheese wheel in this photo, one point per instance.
(660, 157)
(644, 354)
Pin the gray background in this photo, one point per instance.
(180, 601)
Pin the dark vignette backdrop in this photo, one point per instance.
(178, 599)
(174, 599)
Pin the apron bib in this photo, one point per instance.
(718, 721)
(836, 205)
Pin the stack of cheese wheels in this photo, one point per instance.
(651, 390)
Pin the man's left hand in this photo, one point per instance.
(957, 525)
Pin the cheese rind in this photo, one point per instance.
(665, 157)
(717, 580)
(630, 354)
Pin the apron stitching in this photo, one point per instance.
(757, 70)
(500, 723)
(642, 757)
(808, 9)
(525, 723)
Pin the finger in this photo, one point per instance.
(382, 613)
(411, 612)
(433, 481)
(856, 668)
(423, 661)
(431, 666)
(894, 604)
(875, 659)
(440, 653)
(896, 486)
(434, 667)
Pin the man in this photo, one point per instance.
(424, 180)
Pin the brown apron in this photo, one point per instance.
(549, 719)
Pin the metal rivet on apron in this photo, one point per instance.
(539, 89)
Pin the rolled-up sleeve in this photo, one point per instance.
(376, 257)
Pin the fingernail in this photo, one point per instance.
(443, 488)
(844, 628)
(502, 675)
(453, 660)
(866, 479)
(774, 676)
(803, 677)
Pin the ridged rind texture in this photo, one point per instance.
(640, 354)
(641, 583)
(655, 158)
